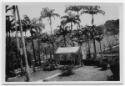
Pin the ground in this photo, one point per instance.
(84, 73)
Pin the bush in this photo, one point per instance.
(66, 70)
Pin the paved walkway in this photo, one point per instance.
(86, 73)
(36, 76)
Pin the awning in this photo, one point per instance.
(67, 50)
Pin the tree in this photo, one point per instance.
(112, 28)
(71, 18)
(63, 31)
(38, 26)
(45, 38)
(99, 35)
(11, 25)
(49, 13)
(75, 8)
(27, 24)
(87, 32)
(93, 10)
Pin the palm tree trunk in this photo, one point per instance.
(89, 54)
(64, 40)
(71, 31)
(25, 33)
(71, 26)
(50, 25)
(39, 51)
(34, 54)
(92, 21)
(100, 47)
(80, 59)
(94, 45)
(51, 34)
(27, 74)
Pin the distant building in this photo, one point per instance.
(68, 55)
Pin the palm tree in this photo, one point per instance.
(27, 74)
(28, 25)
(49, 13)
(86, 31)
(63, 31)
(38, 29)
(11, 25)
(45, 38)
(71, 18)
(99, 35)
(75, 8)
(93, 10)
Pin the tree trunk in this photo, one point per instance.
(52, 35)
(27, 74)
(71, 32)
(25, 33)
(39, 52)
(34, 54)
(80, 59)
(94, 45)
(100, 47)
(64, 40)
(88, 54)
(71, 26)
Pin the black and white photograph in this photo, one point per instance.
(62, 42)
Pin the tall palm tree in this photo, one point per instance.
(27, 74)
(87, 31)
(11, 25)
(38, 29)
(28, 25)
(63, 31)
(75, 8)
(71, 19)
(49, 13)
(93, 10)
(99, 35)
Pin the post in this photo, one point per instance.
(17, 40)
(24, 48)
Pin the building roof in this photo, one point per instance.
(67, 50)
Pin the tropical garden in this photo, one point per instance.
(26, 53)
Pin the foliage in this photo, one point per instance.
(112, 26)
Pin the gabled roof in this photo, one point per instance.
(66, 50)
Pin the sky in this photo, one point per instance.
(33, 10)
